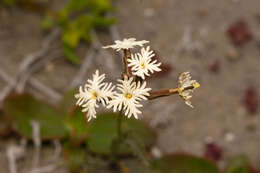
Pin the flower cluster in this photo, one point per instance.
(186, 87)
(142, 63)
(126, 44)
(131, 93)
(93, 92)
(130, 90)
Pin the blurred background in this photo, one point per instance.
(49, 47)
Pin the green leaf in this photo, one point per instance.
(47, 23)
(71, 36)
(103, 133)
(8, 2)
(138, 131)
(238, 164)
(100, 6)
(103, 22)
(67, 102)
(21, 110)
(4, 126)
(70, 54)
(78, 126)
(179, 163)
(133, 165)
(62, 17)
(76, 5)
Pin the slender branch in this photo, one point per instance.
(162, 93)
(57, 149)
(52, 94)
(32, 81)
(107, 59)
(45, 47)
(45, 169)
(138, 152)
(84, 67)
(26, 75)
(10, 82)
(15, 152)
(37, 143)
(114, 33)
(5, 76)
(28, 61)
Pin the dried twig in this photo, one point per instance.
(89, 57)
(52, 94)
(33, 81)
(57, 149)
(44, 169)
(114, 33)
(13, 153)
(45, 47)
(7, 89)
(29, 60)
(107, 59)
(24, 78)
(37, 143)
(5, 76)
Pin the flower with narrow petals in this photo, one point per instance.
(186, 86)
(126, 44)
(131, 93)
(93, 92)
(142, 63)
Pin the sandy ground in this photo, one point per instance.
(218, 114)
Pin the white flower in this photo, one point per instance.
(186, 86)
(94, 91)
(142, 63)
(126, 44)
(131, 93)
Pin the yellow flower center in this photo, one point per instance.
(180, 90)
(128, 95)
(94, 95)
(196, 85)
(143, 66)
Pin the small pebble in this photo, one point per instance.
(208, 139)
(229, 137)
(232, 54)
(156, 152)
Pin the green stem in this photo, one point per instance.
(119, 127)
(118, 140)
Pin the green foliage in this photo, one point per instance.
(77, 125)
(8, 2)
(238, 164)
(77, 19)
(67, 103)
(4, 127)
(21, 110)
(180, 163)
(103, 133)
(84, 142)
